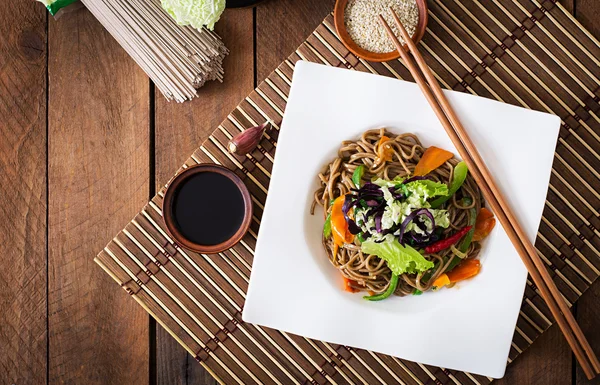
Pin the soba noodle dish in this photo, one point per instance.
(400, 219)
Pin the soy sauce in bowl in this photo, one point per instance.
(207, 208)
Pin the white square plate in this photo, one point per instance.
(294, 288)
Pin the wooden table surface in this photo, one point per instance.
(81, 125)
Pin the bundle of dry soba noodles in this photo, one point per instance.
(179, 59)
(400, 218)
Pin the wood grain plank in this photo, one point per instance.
(23, 276)
(588, 314)
(98, 179)
(587, 13)
(547, 361)
(179, 130)
(569, 5)
(281, 26)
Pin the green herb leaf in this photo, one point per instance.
(417, 292)
(400, 259)
(357, 175)
(458, 178)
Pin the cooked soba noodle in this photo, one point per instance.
(369, 272)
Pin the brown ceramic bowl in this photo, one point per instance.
(340, 26)
(169, 216)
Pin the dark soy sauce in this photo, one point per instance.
(208, 208)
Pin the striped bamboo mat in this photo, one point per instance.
(530, 53)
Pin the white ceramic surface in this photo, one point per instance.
(294, 288)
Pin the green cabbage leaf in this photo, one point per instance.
(196, 13)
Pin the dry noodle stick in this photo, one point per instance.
(191, 77)
(140, 47)
(191, 67)
(178, 59)
(157, 24)
(155, 43)
(125, 43)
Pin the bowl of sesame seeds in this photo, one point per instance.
(358, 27)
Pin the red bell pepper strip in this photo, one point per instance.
(445, 243)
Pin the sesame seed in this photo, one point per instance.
(362, 22)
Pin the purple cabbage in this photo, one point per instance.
(378, 221)
(371, 196)
(369, 191)
(349, 203)
(419, 240)
(413, 215)
(380, 208)
(395, 194)
(369, 186)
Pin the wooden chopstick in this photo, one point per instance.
(482, 176)
(505, 209)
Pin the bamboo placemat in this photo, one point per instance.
(529, 53)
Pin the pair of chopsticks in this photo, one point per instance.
(536, 267)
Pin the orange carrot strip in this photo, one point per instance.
(466, 269)
(432, 158)
(339, 226)
(484, 224)
(441, 281)
(384, 151)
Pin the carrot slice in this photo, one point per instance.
(466, 269)
(433, 158)
(384, 151)
(339, 226)
(348, 285)
(484, 224)
(441, 281)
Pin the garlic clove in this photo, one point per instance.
(246, 141)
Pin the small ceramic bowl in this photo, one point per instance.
(340, 26)
(169, 204)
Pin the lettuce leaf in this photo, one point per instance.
(400, 259)
(416, 195)
(196, 13)
(425, 189)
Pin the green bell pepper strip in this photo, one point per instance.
(428, 275)
(327, 227)
(389, 291)
(357, 175)
(466, 242)
(417, 292)
(460, 174)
